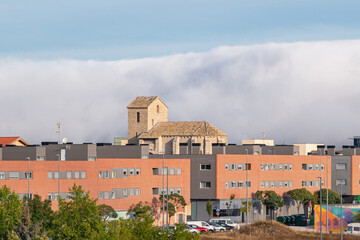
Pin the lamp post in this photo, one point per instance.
(341, 211)
(28, 177)
(327, 194)
(59, 157)
(163, 187)
(320, 208)
(167, 197)
(247, 187)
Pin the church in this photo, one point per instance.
(148, 124)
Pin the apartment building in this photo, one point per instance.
(51, 170)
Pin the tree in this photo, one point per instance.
(40, 212)
(209, 208)
(334, 197)
(26, 229)
(10, 212)
(301, 196)
(228, 204)
(78, 218)
(245, 208)
(270, 199)
(175, 202)
(106, 212)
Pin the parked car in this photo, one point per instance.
(227, 221)
(228, 227)
(192, 230)
(201, 229)
(353, 228)
(203, 224)
(217, 227)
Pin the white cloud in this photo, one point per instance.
(294, 92)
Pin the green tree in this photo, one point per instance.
(209, 209)
(10, 212)
(228, 204)
(301, 196)
(106, 212)
(245, 207)
(142, 226)
(26, 229)
(77, 218)
(175, 202)
(270, 199)
(41, 212)
(334, 197)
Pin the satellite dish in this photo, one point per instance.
(65, 140)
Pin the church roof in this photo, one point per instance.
(182, 129)
(12, 141)
(143, 102)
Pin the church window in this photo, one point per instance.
(157, 108)
(138, 117)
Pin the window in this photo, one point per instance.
(68, 174)
(77, 175)
(340, 166)
(40, 158)
(125, 172)
(205, 184)
(232, 166)
(138, 117)
(304, 166)
(131, 171)
(28, 175)
(286, 167)
(240, 184)
(101, 195)
(171, 171)
(310, 167)
(280, 166)
(152, 122)
(227, 184)
(125, 192)
(83, 174)
(271, 151)
(2, 175)
(340, 182)
(262, 184)
(226, 166)
(157, 108)
(155, 191)
(49, 196)
(316, 166)
(322, 166)
(290, 166)
(13, 175)
(233, 184)
(112, 195)
(286, 184)
(239, 166)
(248, 166)
(205, 166)
(137, 191)
(137, 171)
(106, 174)
(178, 190)
(91, 158)
(178, 171)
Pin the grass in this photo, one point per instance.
(272, 230)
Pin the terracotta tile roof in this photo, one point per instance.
(10, 140)
(142, 102)
(182, 129)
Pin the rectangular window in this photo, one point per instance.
(137, 171)
(40, 158)
(2, 175)
(322, 166)
(227, 184)
(137, 191)
(125, 172)
(178, 171)
(13, 175)
(106, 174)
(233, 184)
(248, 183)
(83, 174)
(90, 158)
(340, 181)
(68, 174)
(232, 166)
(266, 184)
(125, 192)
(77, 174)
(226, 166)
(240, 166)
(205, 166)
(247, 166)
(131, 192)
(310, 167)
(155, 191)
(290, 166)
(262, 184)
(316, 166)
(101, 195)
(280, 166)
(171, 171)
(240, 184)
(262, 166)
(285, 166)
(340, 166)
(113, 174)
(50, 175)
(304, 166)
(131, 171)
(28, 175)
(178, 190)
(56, 175)
(280, 183)
(205, 184)
(272, 184)
(49, 196)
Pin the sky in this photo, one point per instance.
(288, 69)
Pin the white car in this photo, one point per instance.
(217, 227)
(353, 228)
(226, 221)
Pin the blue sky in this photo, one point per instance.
(111, 30)
(287, 68)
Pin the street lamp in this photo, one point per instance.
(28, 177)
(167, 197)
(247, 187)
(59, 157)
(341, 210)
(320, 207)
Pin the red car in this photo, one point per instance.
(201, 229)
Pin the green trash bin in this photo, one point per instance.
(287, 220)
(280, 219)
(312, 220)
(300, 220)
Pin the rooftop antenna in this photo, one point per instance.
(58, 131)
(263, 135)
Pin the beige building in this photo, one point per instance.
(267, 142)
(307, 148)
(148, 124)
